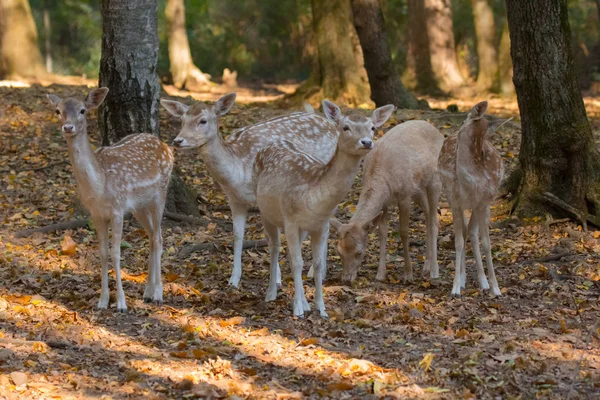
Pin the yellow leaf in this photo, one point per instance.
(37, 299)
(180, 354)
(341, 386)
(425, 363)
(199, 353)
(596, 234)
(563, 326)
(68, 246)
(172, 277)
(308, 341)
(232, 321)
(23, 300)
(461, 333)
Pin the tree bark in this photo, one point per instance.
(185, 73)
(485, 31)
(432, 46)
(386, 87)
(505, 66)
(558, 157)
(47, 31)
(337, 74)
(19, 51)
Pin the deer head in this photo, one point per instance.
(199, 122)
(353, 244)
(73, 112)
(356, 131)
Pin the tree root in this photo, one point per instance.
(219, 246)
(74, 224)
(225, 225)
(578, 215)
(554, 257)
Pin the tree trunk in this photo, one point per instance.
(128, 68)
(19, 52)
(505, 66)
(336, 73)
(386, 87)
(558, 154)
(485, 31)
(432, 45)
(184, 72)
(47, 47)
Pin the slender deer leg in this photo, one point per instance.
(404, 214)
(474, 233)
(157, 249)
(384, 225)
(487, 248)
(318, 241)
(433, 195)
(102, 231)
(144, 218)
(463, 260)
(239, 213)
(292, 235)
(459, 245)
(117, 233)
(274, 280)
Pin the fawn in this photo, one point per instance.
(299, 193)
(471, 171)
(402, 168)
(230, 160)
(130, 176)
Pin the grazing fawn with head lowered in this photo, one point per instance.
(402, 168)
(471, 170)
(230, 160)
(130, 176)
(299, 193)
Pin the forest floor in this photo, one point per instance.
(395, 340)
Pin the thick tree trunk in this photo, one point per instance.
(485, 30)
(337, 73)
(184, 72)
(558, 154)
(128, 68)
(19, 52)
(432, 45)
(505, 66)
(386, 87)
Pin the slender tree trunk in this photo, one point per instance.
(419, 56)
(505, 66)
(128, 68)
(558, 154)
(337, 73)
(485, 30)
(386, 87)
(47, 47)
(184, 72)
(19, 52)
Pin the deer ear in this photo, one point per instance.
(337, 225)
(382, 114)
(495, 124)
(478, 110)
(332, 112)
(54, 99)
(96, 97)
(369, 225)
(224, 104)
(175, 108)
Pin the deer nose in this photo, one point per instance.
(177, 141)
(367, 143)
(68, 128)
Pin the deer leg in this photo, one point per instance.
(383, 225)
(459, 245)
(157, 249)
(143, 217)
(117, 232)
(318, 241)
(463, 267)
(433, 195)
(239, 213)
(487, 248)
(292, 234)
(404, 214)
(102, 231)
(311, 270)
(272, 232)
(474, 233)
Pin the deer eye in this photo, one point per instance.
(82, 111)
(373, 128)
(346, 128)
(57, 112)
(203, 122)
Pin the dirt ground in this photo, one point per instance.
(394, 340)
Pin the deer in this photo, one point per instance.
(401, 169)
(230, 161)
(129, 176)
(299, 192)
(471, 170)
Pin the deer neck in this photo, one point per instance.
(88, 171)
(371, 201)
(220, 160)
(469, 148)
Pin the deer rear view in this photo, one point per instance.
(130, 176)
(471, 170)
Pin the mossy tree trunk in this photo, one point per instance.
(386, 87)
(128, 68)
(560, 164)
(19, 52)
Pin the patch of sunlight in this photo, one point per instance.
(15, 84)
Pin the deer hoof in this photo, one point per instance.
(121, 310)
(158, 302)
(148, 300)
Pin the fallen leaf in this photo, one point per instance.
(199, 353)
(179, 354)
(425, 363)
(308, 341)
(232, 321)
(23, 300)
(340, 386)
(68, 246)
(172, 277)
